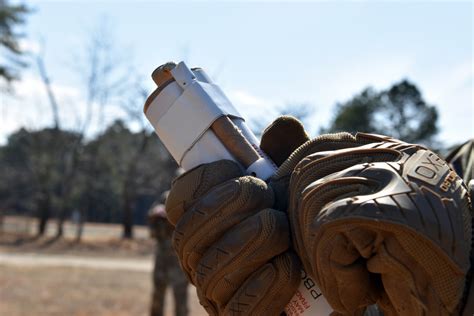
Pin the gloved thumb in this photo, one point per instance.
(282, 137)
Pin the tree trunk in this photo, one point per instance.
(129, 190)
(2, 220)
(43, 222)
(127, 217)
(60, 224)
(43, 216)
(80, 225)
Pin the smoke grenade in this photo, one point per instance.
(198, 124)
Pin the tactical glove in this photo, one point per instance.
(230, 242)
(462, 160)
(381, 222)
(395, 254)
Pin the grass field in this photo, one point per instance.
(102, 275)
(72, 291)
(31, 291)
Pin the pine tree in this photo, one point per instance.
(11, 61)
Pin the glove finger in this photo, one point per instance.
(193, 184)
(332, 257)
(210, 308)
(216, 212)
(404, 281)
(267, 290)
(282, 137)
(240, 252)
(398, 281)
(337, 261)
(346, 283)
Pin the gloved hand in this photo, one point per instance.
(385, 222)
(347, 281)
(230, 242)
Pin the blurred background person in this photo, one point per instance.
(166, 271)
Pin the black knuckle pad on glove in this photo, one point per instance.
(386, 223)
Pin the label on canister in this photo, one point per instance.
(308, 299)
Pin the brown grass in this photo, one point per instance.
(71, 291)
(78, 292)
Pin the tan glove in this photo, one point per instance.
(386, 223)
(347, 281)
(230, 242)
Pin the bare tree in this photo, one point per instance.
(128, 189)
(137, 181)
(105, 76)
(47, 85)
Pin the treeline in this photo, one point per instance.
(116, 176)
(113, 178)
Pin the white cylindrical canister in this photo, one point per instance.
(198, 124)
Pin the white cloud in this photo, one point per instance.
(247, 99)
(449, 87)
(258, 111)
(30, 86)
(30, 108)
(30, 46)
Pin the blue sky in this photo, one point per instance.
(266, 55)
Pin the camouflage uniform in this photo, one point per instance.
(167, 271)
(462, 160)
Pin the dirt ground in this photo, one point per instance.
(92, 231)
(101, 275)
(59, 291)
